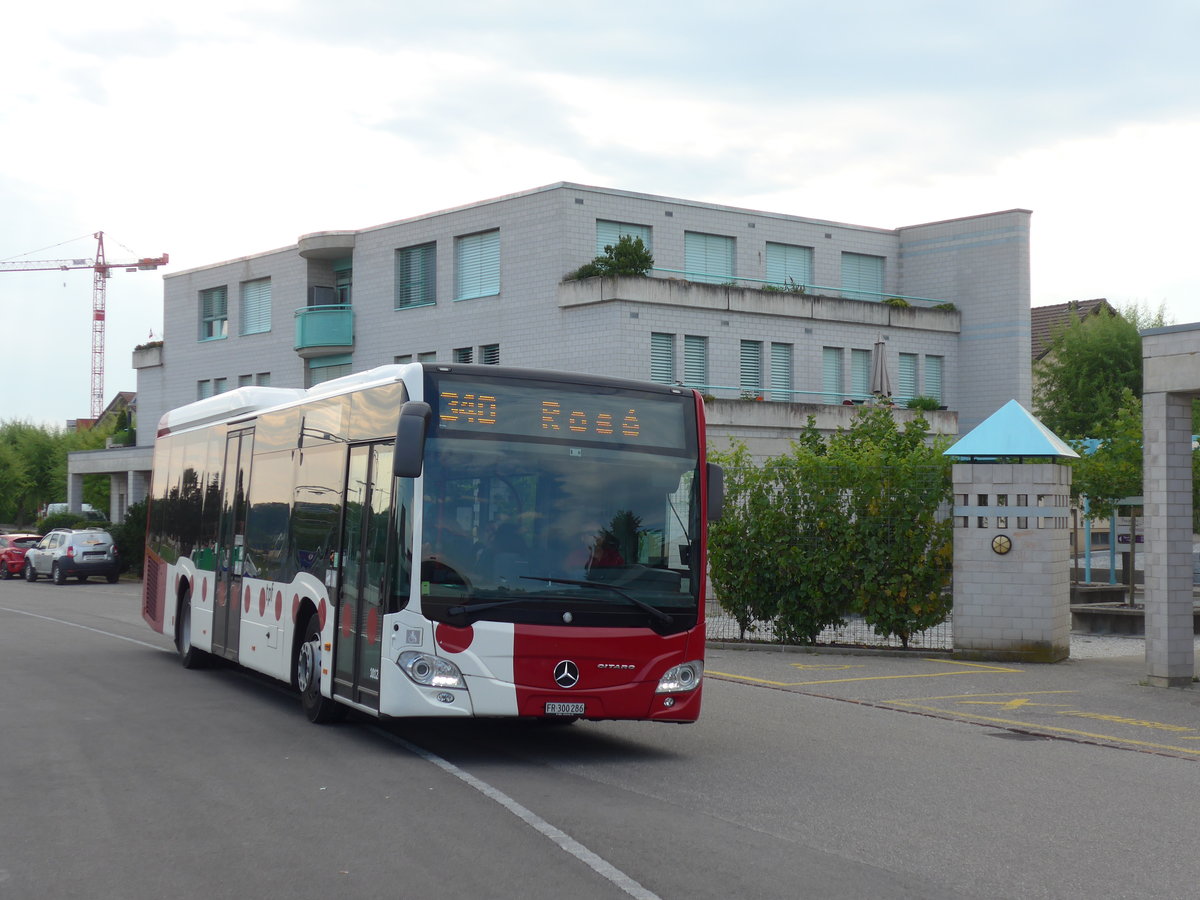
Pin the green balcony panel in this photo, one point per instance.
(324, 330)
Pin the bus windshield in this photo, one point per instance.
(523, 530)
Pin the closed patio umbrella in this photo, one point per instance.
(881, 381)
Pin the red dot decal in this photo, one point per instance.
(454, 640)
(372, 625)
(322, 612)
(278, 606)
(246, 599)
(262, 602)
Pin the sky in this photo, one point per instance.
(217, 130)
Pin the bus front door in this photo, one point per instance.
(365, 576)
(231, 538)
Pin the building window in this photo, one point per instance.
(477, 265)
(220, 385)
(343, 270)
(933, 377)
(860, 374)
(464, 354)
(489, 354)
(427, 357)
(695, 360)
(416, 276)
(832, 382)
(203, 389)
(402, 359)
(662, 357)
(263, 379)
(781, 372)
(245, 380)
(708, 257)
(751, 368)
(907, 382)
(326, 368)
(256, 306)
(214, 314)
(788, 265)
(608, 234)
(862, 276)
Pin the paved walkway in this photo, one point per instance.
(1096, 697)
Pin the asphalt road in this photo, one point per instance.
(124, 775)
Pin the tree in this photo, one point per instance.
(1113, 469)
(629, 256)
(1091, 362)
(1081, 380)
(33, 468)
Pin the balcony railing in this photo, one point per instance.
(324, 330)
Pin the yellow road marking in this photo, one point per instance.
(1149, 745)
(1015, 703)
(965, 669)
(807, 667)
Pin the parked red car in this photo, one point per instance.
(12, 552)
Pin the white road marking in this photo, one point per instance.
(119, 637)
(558, 836)
(564, 841)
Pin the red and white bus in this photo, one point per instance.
(431, 540)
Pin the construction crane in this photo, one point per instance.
(102, 270)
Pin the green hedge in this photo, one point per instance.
(848, 526)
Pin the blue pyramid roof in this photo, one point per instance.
(1011, 431)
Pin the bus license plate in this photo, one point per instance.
(564, 709)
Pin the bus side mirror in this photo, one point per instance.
(716, 491)
(409, 455)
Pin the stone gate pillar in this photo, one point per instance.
(1012, 540)
(1012, 556)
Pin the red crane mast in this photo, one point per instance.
(102, 270)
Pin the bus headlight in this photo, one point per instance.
(429, 670)
(682, 678)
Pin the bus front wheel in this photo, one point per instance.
(319, 709)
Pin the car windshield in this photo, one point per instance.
(526, 530)
(25, 542)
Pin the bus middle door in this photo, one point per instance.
(365, 577)
(231, 539)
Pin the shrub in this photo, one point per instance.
(924, 403)
(898, 302)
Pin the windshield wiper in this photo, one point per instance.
(654, 611)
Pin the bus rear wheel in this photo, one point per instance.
(319, 709)
(190, 657)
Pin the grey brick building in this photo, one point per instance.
(484, 282)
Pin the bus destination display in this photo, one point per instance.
(523, 410)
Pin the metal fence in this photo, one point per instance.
(854, 633)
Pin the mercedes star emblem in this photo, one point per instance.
(566, 674)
